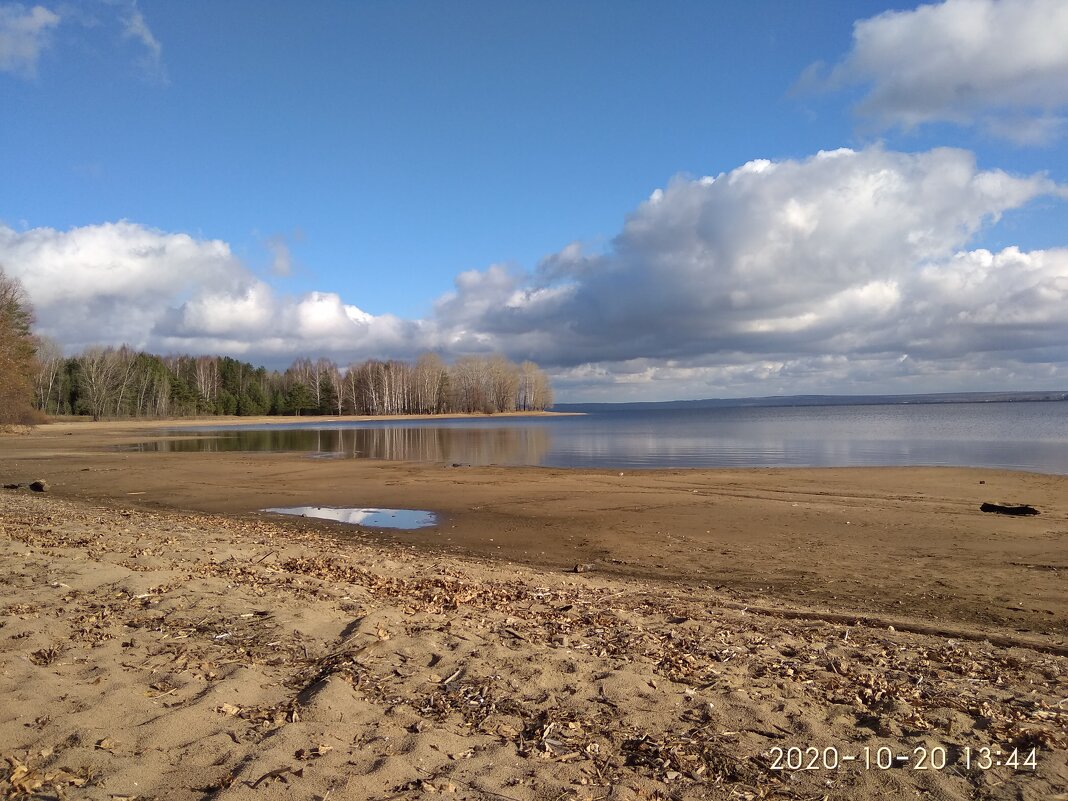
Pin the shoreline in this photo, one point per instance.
(234, 421)
(883, 542)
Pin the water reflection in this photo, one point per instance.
(1019, 436)
(372, 518)
(478, 446)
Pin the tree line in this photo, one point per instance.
(123, 382)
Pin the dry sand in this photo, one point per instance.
(159, 638)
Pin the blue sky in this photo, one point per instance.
(375, 179)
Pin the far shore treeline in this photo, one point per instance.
(36, 379)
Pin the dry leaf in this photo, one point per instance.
(313, 753)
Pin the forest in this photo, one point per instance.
(37, 379)
(122, 382)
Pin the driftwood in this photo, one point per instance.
(1001, 509)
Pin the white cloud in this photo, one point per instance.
(806, 274)
(708, 261)
(23, 35)
(849, 271)
(26, 32)
(134, 26)
(121, 283)
(1002, 64)
(112, 282)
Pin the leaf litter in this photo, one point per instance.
(741, 682)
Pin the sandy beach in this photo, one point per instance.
(160, 637)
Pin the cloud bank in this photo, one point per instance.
(1001, 64)
(844, 272)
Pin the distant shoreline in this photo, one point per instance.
(793, 401)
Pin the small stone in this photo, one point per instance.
(583, 568)
(40, 485)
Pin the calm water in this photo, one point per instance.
(372, 518)
(1021, 436)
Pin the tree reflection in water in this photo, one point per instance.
(476, 446)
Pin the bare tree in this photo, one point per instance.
(353, 388)
(428, 379)
(50, 363)
(206, 372)
(503, 377)
(469, 385)
(100, 370)
(127, 363)
(534, 390)
(543, 391)
(397, 387)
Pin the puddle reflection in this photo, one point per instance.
(372, 517)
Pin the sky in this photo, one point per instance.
(651, 200)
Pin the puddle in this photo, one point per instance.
(372, 518)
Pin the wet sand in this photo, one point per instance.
(895, 542)
(749, 609)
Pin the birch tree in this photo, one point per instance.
(49, 376)
(99, 373)
(429, 379)
(534, 390)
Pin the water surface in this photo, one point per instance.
(1018, 436)
(372, 518)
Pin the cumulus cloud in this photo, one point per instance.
(788, 276)
(752, 259)
(23, 35)
(1001, 64)
(121, 283)
(849, 271)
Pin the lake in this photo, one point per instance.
(1017, 436)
